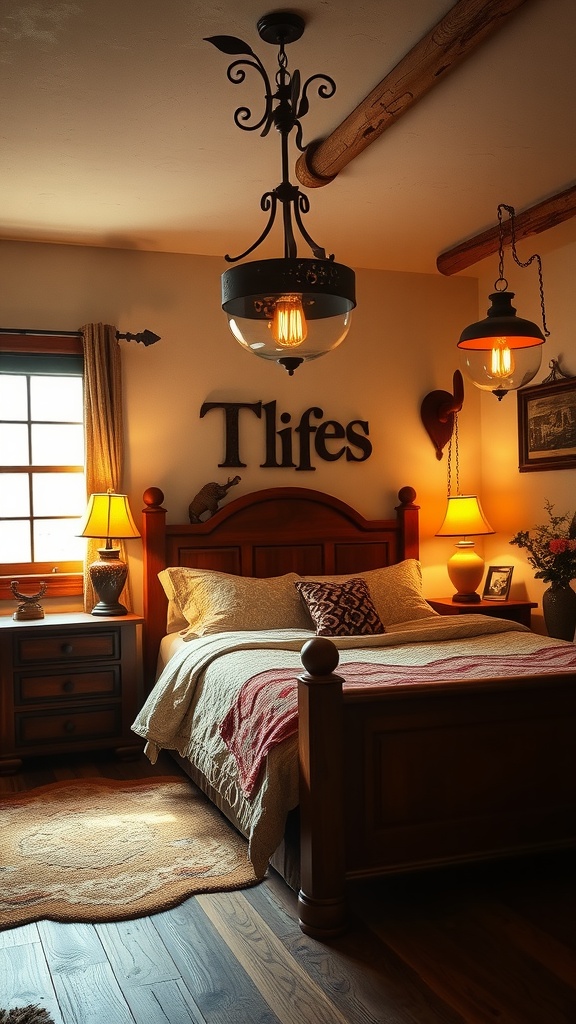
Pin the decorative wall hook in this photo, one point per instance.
(438, 410)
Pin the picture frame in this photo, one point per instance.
(547, 426)
(497, 585)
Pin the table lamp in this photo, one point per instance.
(464, 518)
(108, 516)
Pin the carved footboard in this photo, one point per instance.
(427, 776)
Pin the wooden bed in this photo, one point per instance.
(396, 780)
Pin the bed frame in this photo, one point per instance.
(397, 780)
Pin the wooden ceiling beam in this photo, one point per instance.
(459, 32)
(532, 221)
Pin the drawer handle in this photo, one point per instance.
(69, 726)
(68, 686)
(67, 649)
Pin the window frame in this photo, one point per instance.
(69, 580)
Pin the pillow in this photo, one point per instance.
(341, 609)
(214, 602)
(396, 590)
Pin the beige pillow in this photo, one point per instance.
(396, 590)
(215, 602)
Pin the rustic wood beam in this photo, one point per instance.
(532, 221)
(461, 30)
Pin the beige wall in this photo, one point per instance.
(401, 345)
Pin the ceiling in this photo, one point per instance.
(116, 127)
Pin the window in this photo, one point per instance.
(42, 479)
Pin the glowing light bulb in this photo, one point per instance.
(501, 359)
(289, 327)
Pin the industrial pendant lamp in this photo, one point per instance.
(291, 309)
(503, 352)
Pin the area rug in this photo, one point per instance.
(25, 1015)
(102, 850)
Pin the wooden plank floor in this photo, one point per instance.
(492, 944)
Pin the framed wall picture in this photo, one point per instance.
(497, 585)
(547, 426)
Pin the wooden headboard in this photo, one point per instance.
(269, 533)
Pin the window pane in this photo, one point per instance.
(14, 495)
(56, 399)
(54, 540)
(15, 542)
(58, 494)
(13, 397)
(57, 446)
(14, 445)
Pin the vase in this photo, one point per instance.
(559, 607)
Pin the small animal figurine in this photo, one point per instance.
(207, 499)
(30, 607)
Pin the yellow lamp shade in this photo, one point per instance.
(108, 515)
(464, 518)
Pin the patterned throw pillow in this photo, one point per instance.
(341, 609)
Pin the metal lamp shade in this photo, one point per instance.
(482, 343)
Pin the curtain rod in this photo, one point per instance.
(30, 330)
(145, 337)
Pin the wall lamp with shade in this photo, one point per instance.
(503, 352)
(289, 309)
(108, 516)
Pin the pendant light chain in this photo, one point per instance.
(454, 440)
(534, 258)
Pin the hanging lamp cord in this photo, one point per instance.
(454, 446)
(535, 258)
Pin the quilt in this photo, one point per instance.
(202, 685)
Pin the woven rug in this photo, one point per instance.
(25, 1015)
(102, 850)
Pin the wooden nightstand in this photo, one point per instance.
(516, 611)
(68, 682)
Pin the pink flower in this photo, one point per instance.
(559, 546)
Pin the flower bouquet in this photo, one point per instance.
(551, 550)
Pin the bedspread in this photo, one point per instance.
(202, 682)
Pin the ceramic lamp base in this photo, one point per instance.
(108, 576)
(465, 569)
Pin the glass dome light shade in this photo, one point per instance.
(503, 352)
(323, 290)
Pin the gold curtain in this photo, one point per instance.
(103, 430)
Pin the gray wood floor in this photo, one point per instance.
(494, 944)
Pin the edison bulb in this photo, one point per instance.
(289, 327)
(501, 360)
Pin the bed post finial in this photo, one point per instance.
(321, 900)
(407, 512)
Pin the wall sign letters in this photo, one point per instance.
(291, 446)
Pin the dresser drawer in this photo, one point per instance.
(29, 689)
(67, 725)
(66, 647)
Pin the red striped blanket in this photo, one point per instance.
(265, 711)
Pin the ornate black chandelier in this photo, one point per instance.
(289, 309)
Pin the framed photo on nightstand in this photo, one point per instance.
(497, 585)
